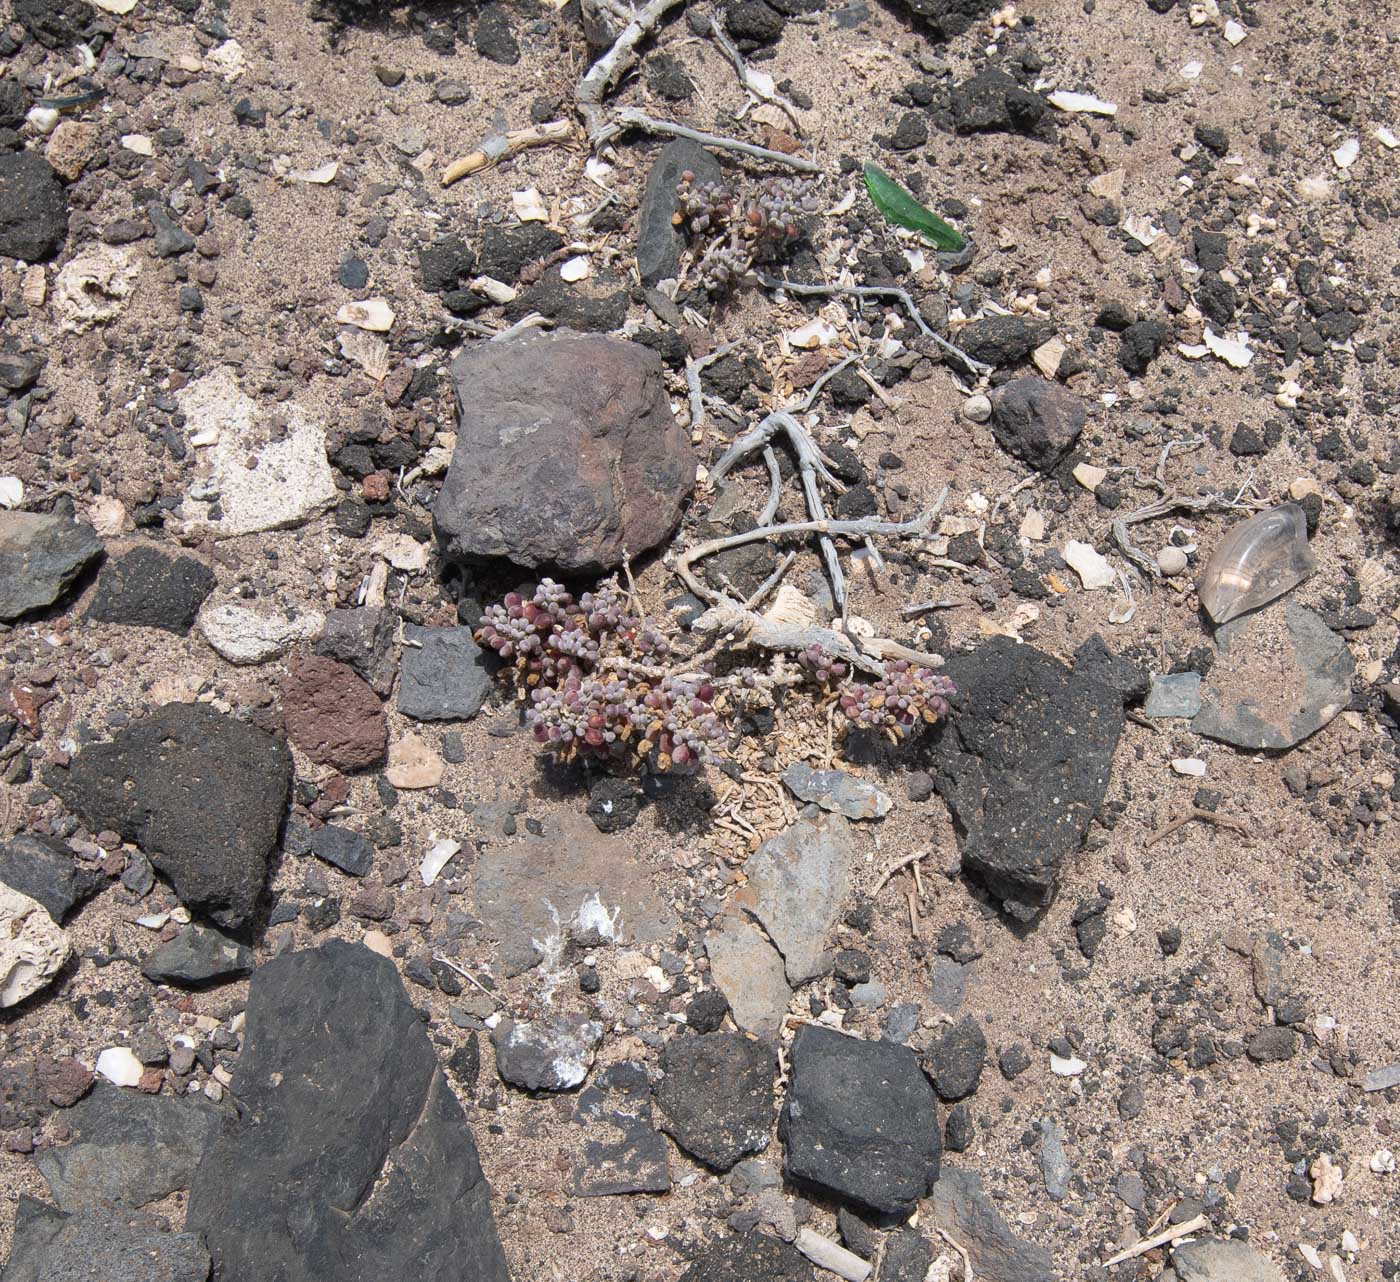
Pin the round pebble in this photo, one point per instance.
(1171, 561)
(977, 408)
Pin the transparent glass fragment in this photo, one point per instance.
(1258, 560)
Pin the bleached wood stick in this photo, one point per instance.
(826, 1254)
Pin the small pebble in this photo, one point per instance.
(1171, 561)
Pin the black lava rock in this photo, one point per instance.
(349, 851)
(33, 207)
(755, 1257)
(613, 804)
(1037, 420)
(202, 794)
(860, 1122)
(147, 588)
(1139, 344)
(495, 38)
(716, 1096)
(707, 1010)
(197, 955)
(46, 870)
(1002, 341)
(955, 1060)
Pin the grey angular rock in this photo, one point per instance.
(1036, 420)
(47, 871)
(658, 241)
(444, 676)
(549, 1054)
(197, 955)
(1055, 1169)
(145, 587)
(33, 207)
(1023, 763)
(748, 970)
(1280, 677)
(837, 791)
(364, 640)
(755, 1257)
(860, 1121)
(347, 850)
(716, 1096)
(570, 877)
(202, 794)
(351, 1159)
(1210, 1259)
(40, 557)
(1178, 694)
(623, 1152)
(567, 454)
(960, 1207)
(102, 1244)
(797, 883)
(129, 1148)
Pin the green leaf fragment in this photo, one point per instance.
(899, 207)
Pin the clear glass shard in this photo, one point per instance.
(1258, 560)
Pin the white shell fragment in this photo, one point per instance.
(1387, 138)
(325, 174)
(1235, 352)
(119, 1066)
(528, 206)
(11, 491)
(1345, 155)
(33, 947)
(1234, 32)
(1093, 569)
(371, 354)
(1089, 476)
(1065, 100)
(815, 333)
(437, 858)
(373, 313)
(139, 144)
(1193, 767)
(92, 288)
(119, 7)
(1071, 1067)
(34, 287)
(1258, 560)
(497, 291)
(575, 269)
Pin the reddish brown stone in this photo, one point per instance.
(375, 487)
(151, 1080)
(26, 700)
(65, 1081)
(332, 715)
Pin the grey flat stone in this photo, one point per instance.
(571, 878)
(1175, 695)
(797, 884)
(749, 972)
(343, 848)
(198, 955)
(1222, 1260)
(129, 1148)
(1382, 1079)
(1282, 674)
(960, 1207)
(1055, 1169)
(837, 792)
(350, 1159)
(101, 1244)
(40, 557)
(623, 1152)
(444, 676)
(658, 241)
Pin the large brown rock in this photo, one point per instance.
(567, 454)
(332, 715)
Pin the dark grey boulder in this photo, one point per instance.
(860, 1122)
(197, 955)
(552, 1053)
(1036, 420)
(33, 207)
(40, 556)
(351, 1159)
(202, 794)
(1023, 762)
(755, 1257)
(443, 674)
(716, 1096)
(45, 869)
(128, 1148)
(658, 241)
(103, 1244)
(567, 454)
(148, 588)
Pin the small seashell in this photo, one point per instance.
(1063, 100)
(325, 174)
(497, 291)
(1258, 560)
(528, 206)
(792, 606)
(371, 354)
(11, 491)
(373, 313)
(575, 269)
(1345, 155)
(34, 287)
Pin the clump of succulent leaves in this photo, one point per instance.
(603, 683)
(733, 228)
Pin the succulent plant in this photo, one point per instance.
(593, 678)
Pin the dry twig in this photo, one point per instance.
(1205, 816)
(1172, 1234)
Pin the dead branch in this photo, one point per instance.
(692, 382)
(877, 291)
(1173, 1234)
(759, 86)
(1205, 816)
(634, 118)
(504, 146)
(896, 867)
(604, 74)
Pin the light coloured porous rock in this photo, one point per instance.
(243, 634)
(33, 947)
(257, 475)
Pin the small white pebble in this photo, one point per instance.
(1345, 155)
(978, 409)
(1192, 766)
(575, 269)
(1071, 1067)
(1171, 561)
(1234, 32)
(119, 1066)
